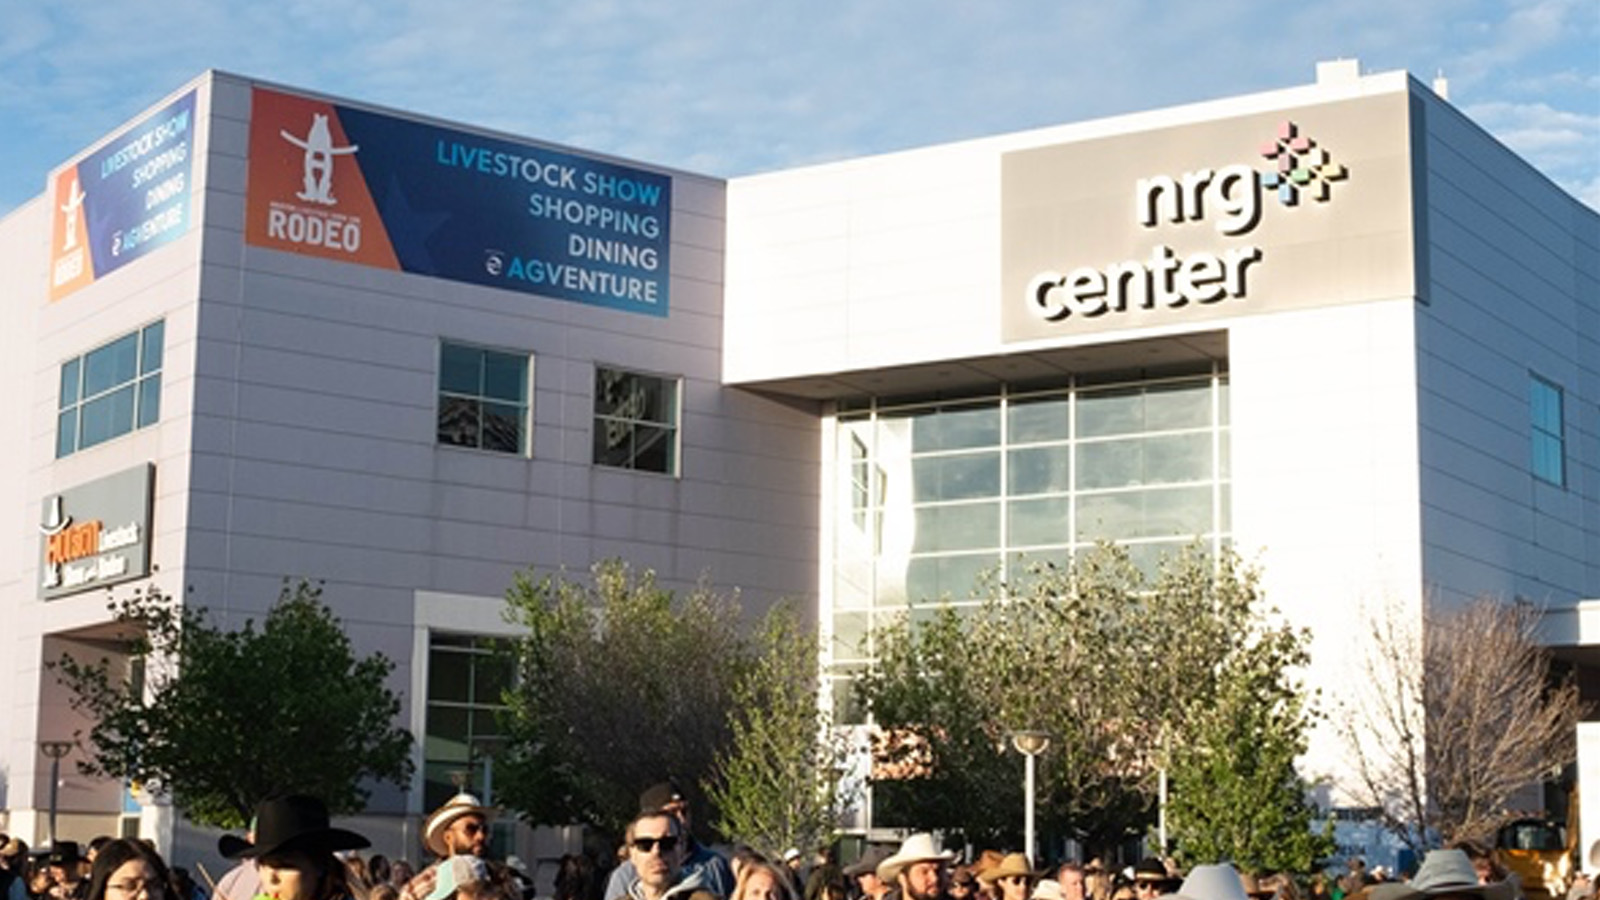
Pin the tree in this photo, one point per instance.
(1463, 715)
(1236, 795)
(620, 684)
(780, 783)
(224, 719)
(1118, 666)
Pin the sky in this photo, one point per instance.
(734, 87)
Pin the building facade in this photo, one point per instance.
(261, 333)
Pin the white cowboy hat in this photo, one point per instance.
(1048, 889)
(1444, 872)
(917, 848)
(1218, 882)
(458, 806)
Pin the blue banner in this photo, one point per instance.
(124, 200)
(456, 205)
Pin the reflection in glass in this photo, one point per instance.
(1035, 419)
(969, 475)
(1040, 470)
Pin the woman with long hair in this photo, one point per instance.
(293, 850)
(129, 870)
(761, 880)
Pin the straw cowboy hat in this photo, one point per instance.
(1011, 864)
(1444, 872)
(1219, 882)
(291, 823)
(462, 804)
(917, 848)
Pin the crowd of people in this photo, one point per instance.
(292, 852)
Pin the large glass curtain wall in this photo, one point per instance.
(929, 496)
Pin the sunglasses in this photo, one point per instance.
(668, 843)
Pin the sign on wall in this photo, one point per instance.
(341, 183)
(124, 200)
(96, 534)
(1249, 214)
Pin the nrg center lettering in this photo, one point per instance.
(1164, 279)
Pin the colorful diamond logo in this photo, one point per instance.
(1302, 167)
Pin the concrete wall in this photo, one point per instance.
(39, 336)
(1515, 289)
(297, 438)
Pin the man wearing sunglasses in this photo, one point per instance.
(715, 876)
(458, 828)
(656, 846)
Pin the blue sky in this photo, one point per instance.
(727, 88)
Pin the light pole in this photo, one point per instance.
(1030, 744)
(55, 750)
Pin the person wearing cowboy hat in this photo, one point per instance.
(863, 873)
(458, 828)
(65, 864)
(1151, 879)
(293, 846)
(1218, 882)
(1444, 874)
(1013, 877)
(918, 868)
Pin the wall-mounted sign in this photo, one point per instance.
(124, 200)
(348, 184)
(1195, 222)
(96, 534)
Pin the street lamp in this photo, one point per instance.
(1030, 744)
(55, 750)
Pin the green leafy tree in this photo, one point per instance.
(937, 761)
(780, 783)
(620, 684)
(1236, 795)
(226, 718)
(1116, 665)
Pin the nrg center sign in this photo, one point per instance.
(1294, 208)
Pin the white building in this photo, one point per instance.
(1338, 326)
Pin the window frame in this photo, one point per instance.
(144, 387)
(481, 398)
(472, 648)
(673, 388)
(1547, 439)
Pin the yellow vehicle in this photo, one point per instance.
(1539, 854)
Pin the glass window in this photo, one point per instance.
(466, 677)
(964, 477)
(956, 489)
(952, 428)
(1034, 419)
(110, 391)
(1549, 442)
(1040, 470)
(483, 399)
(635, 421)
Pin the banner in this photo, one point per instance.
(124, 200)
(341, 183)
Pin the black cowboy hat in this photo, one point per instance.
(291, 823)
(61, 853)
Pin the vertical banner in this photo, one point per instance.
(124, 200)
(341, 183)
